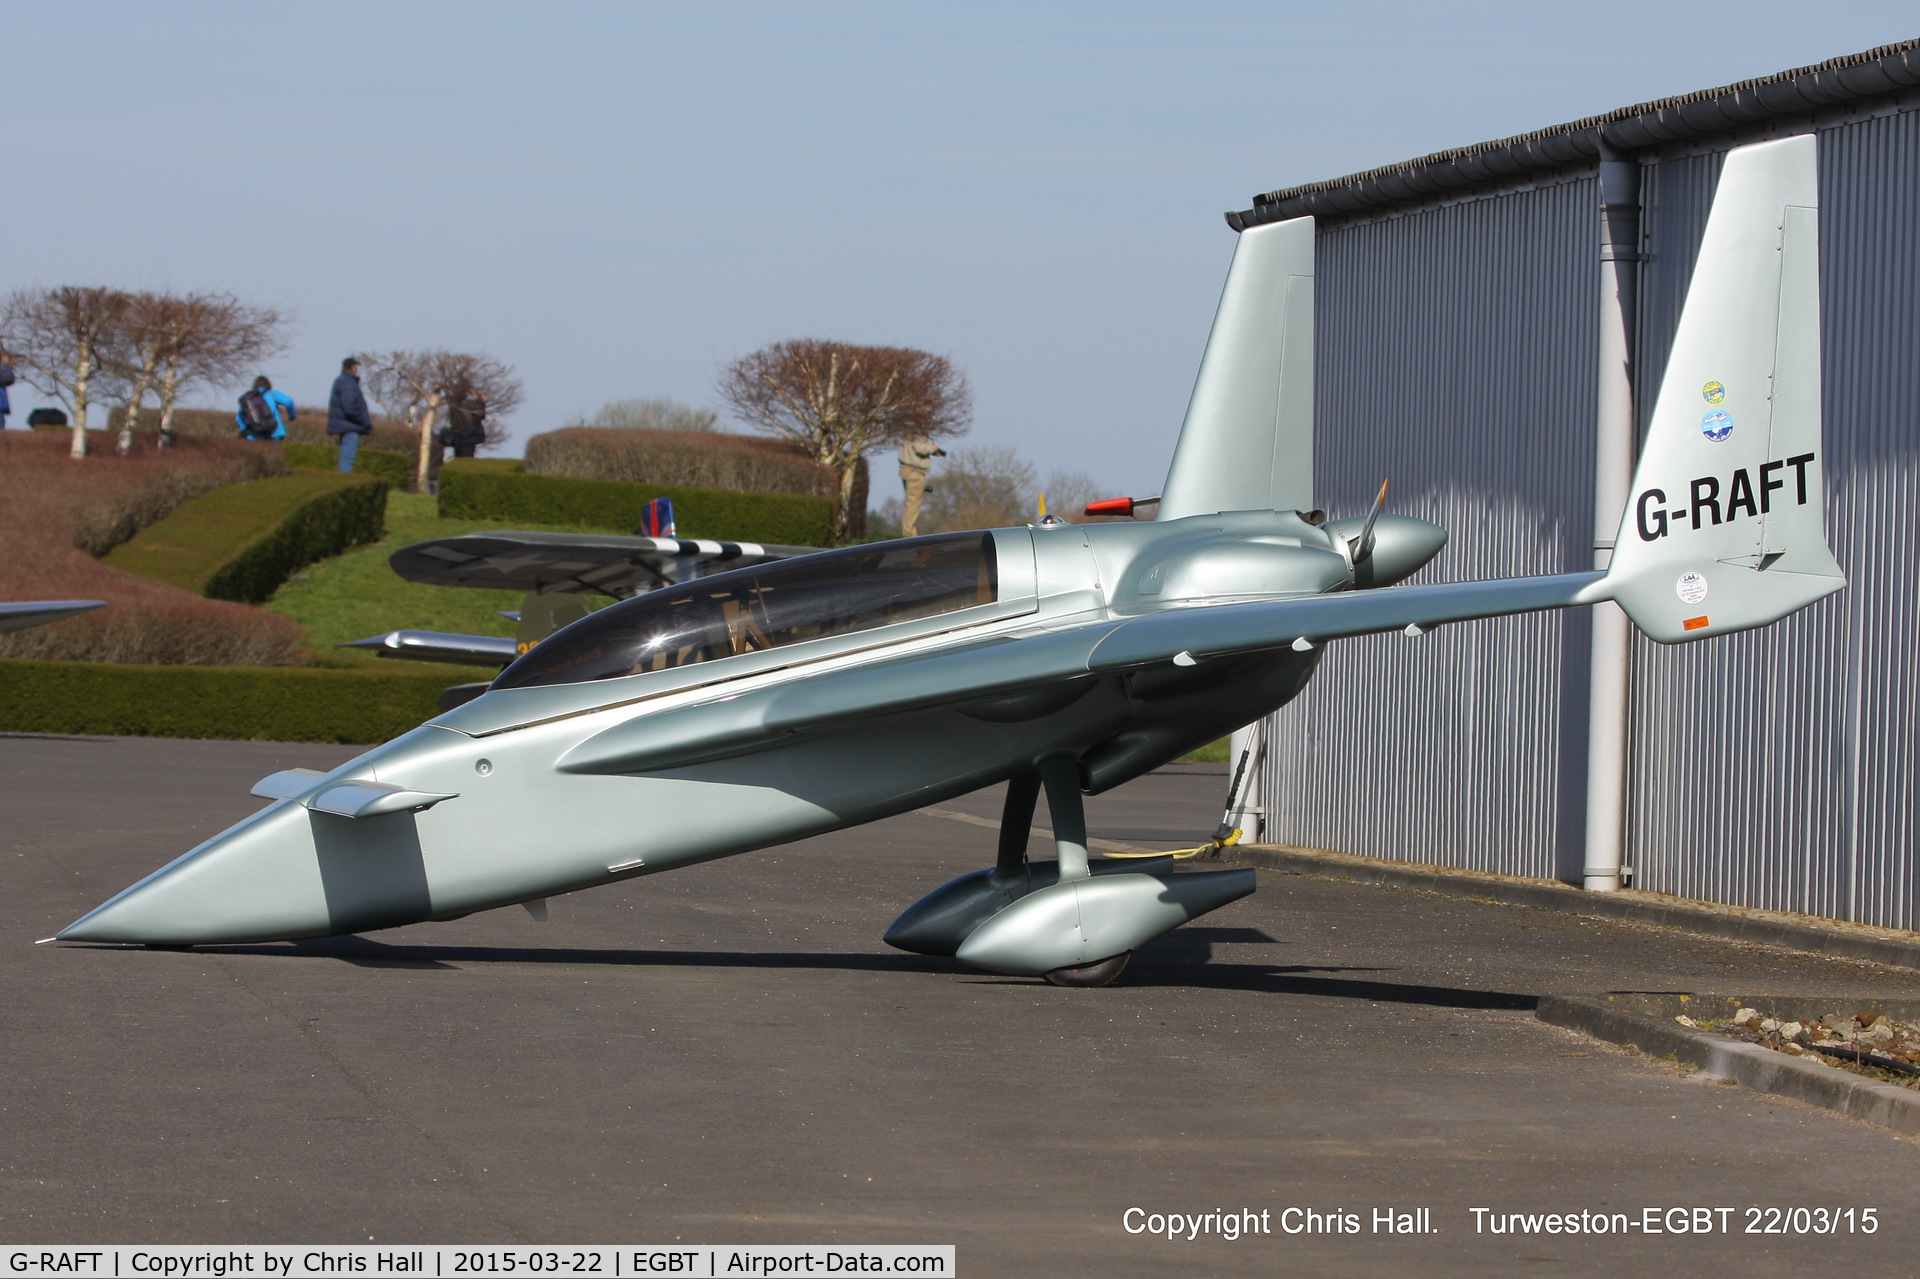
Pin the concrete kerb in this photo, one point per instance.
(1761, 1069)
(1548, 896)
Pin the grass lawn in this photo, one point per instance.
(357, 595)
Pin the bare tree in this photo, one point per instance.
(149, 334)
(215, 338)
(649, 415)
(985, 487)
(1068, 493)
(400, 383)
(417, 385)
(59, 338)
(842, 401)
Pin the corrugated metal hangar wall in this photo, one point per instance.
(1456, 353)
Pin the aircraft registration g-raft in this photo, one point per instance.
(785, 700)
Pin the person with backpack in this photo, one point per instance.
(467, 421)
(261, 416)
(347, 415)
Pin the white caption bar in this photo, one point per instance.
(454, 1261)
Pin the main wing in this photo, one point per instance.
(576, 563)
(1006, 667)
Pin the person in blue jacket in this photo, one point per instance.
(347, 415)
(277, 404)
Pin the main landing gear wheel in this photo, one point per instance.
(1095, 974)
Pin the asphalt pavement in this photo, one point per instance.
(728, 1053)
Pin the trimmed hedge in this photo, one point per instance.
(489, 491)
(217, 424)
(689, 459)
(488, 465)
(242, 541)
(240, 703)
(395, 468)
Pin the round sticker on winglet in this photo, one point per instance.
(1691, 588)
(1717, 426)
(1714, 392)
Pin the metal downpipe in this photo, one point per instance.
(1612, 480)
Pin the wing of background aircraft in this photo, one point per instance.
(17, 617)
(442, 646)
(576, 563)
(550, 567)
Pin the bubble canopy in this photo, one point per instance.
(752, 610)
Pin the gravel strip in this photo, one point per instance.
(1648, 1022)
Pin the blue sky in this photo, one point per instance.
(617, 198)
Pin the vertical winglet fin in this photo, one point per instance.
(1247, 443)
(1724, 528)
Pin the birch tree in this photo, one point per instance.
(211, 339)
(416, 385)
(842, 402)
(59, 339)
(147, 336)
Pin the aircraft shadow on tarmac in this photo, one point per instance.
(1184, 958)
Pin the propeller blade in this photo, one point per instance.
(1363, 545)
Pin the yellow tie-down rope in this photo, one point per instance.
(1211, 848)
(1225, 837)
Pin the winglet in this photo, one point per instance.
(1724, 528)
(1247, 443)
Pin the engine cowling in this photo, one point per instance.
(1401, 547)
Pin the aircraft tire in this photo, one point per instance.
(1087, 976)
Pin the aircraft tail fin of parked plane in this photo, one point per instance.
(1247, 443)
(1724, 528)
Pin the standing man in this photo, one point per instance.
(6, 380)
(347, 415)
(916, 457)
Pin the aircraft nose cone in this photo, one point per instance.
(264, 879)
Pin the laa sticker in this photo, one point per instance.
(1717, 426)
(1714, 392)
(1691, 588)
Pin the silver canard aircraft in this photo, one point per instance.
(781, 701)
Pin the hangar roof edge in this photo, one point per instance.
(1837, 82)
